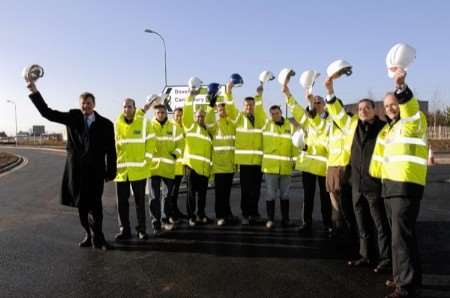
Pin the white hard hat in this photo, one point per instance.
(338, 68)
(284, 75)
(265, 76)
(195, 83)
(154, 99)
(400, 55)
(298, 139)
(33, 72)
(308, 78)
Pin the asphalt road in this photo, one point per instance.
(39, 256)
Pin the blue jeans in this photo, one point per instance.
(277, 186)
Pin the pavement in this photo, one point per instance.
(39, 255)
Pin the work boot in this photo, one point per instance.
(86, 242)
(284, 204)
(124, 234)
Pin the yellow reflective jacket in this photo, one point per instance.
(248, 140)
(135, 144)
(223, 132)
(401, 150)
(314, 158)
(169, 147)
(279, 152)
(197, 152)
(179, 163)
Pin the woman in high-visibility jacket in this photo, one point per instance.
(248, 152)
(197, 158)
(312, 160)
(400, 160)
(223, 132)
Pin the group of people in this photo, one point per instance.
(384, 163)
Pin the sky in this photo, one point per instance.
(100, 46)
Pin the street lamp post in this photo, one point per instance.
(15, 116)
(165, 52)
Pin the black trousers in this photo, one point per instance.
(175, 192)
(123, 208)
(402, 213)
(250, 177)
(90, 211)
(309, 188)
(348, 212)
(155, 202)
(197, 185)
(369, 208)
(223, 183)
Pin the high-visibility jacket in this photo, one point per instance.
(338, 151)
(401, 150)
(197, 151)
(134, 146)
(347, 125)
(169, 147)
(279, 152)
(314, 158)
(248, 140)
(179, 163)
(223, 132)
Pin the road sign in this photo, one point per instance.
(174, 96)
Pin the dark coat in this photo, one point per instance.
(91, 154)
(361, 154)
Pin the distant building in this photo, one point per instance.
(38, 130)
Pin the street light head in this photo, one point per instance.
(149, 31)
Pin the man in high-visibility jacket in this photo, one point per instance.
(169, 147)
(223, 133)
(179, 169)
(278, 163)
(134, 147)
(400, 160)
(248, 151)
(312, 161)
(362, 131)
(197, 158)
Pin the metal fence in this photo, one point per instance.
(439, 132)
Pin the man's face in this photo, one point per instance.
(161, 114)
(221, 111)
(391, 107)
(200, 117)
(276, 115)
(178, 115)
(87, 106)
(319, 104)
(249, 106)
(365, 111)
(129, 109)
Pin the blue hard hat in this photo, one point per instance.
(213, 89)
(237, 80)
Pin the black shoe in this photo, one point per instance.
(142, 235)
(123, 235)
(156, 228)
(86, 242)
(103, 245)
(305, 230)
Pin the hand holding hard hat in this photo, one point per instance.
(285, 75)
(153, 100)
(237, 80)
(401, 55)
(266, 76)
(338, 68)
(195, 83)
(31, 74)
(307, 80)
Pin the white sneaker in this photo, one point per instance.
(220, 222)
(192, 222)
(269, 224)
(168, 226)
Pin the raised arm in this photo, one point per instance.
(188, 111)
(230, 106)
(335, 107)
(299, 113)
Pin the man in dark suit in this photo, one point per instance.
(91, 160)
